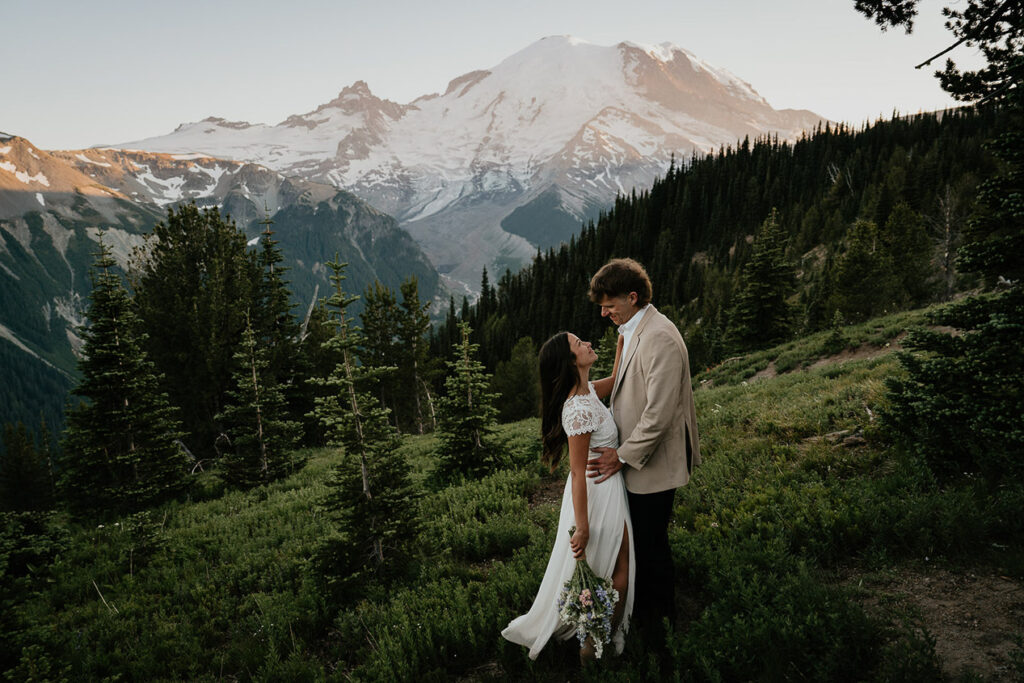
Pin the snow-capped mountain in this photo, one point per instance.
(511, 157)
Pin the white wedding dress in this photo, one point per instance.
(607, 513)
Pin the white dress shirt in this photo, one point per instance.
(629, 327)
(626, 330)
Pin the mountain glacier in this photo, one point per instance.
(509, 158)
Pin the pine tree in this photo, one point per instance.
(319, 361)
(465, 415)
(907, 241)
(273, 322)
(261, 438)
(762, 315)
(120, 446)
(864, 283)
(605, 354)
(369, 495)
(290, 361)
(277, 331)
(379, 348)
(516, 382)
(415, 371)
(488, 302)
(24, 471)
(192, 291)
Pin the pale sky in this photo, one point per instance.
(75, 74)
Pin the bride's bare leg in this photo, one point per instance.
(620, 578)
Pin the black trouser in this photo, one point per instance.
(655, 573)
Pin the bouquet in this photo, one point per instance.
(587, 603)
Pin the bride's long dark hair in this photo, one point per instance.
(558, 378)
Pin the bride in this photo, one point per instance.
(572, 414)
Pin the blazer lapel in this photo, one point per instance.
(631, 351)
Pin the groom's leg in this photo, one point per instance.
(655, 572)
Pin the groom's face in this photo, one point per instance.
(619, 309)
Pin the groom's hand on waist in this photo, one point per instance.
(604, 466)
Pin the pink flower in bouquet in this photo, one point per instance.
(585, 598)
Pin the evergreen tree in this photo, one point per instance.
(48, 452)
(415, 370)
(705, 340)
(516, 383)
(120, 446)
(762, 315)
(319, 361)
(465, 415)
(907, 241)
(261, 440)
(24, 471)
(380, 346)
(993, 26)
(273, 322)
(369, 495)
(278, 333)
(605, 354)
(192, 291)
(864, 283)
(488, 302)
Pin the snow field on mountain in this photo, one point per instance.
(23, 176)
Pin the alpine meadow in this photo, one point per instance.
(294, 450)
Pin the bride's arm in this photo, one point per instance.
(579, 451)
(603, 387)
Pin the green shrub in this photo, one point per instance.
(440, 626)
(772, 619)
(478, 519)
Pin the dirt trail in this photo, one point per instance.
(976, 618)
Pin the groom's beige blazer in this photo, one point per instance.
(652, 402)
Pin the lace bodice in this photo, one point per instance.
(584, 414)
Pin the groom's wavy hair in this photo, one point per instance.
(619, 277)
(558, 377)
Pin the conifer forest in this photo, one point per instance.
(241, 490)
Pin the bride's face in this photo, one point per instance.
(584, 351)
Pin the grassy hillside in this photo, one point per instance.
(799, 546)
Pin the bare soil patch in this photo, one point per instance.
(975, 616)
(767, 373)
(862, 352)
(548, 493)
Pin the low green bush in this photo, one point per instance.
(441, 625)
(478, 519)
(769, 617)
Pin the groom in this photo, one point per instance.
(652, 402)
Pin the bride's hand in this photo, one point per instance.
(578, 543)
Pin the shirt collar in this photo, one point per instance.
(630, 326)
